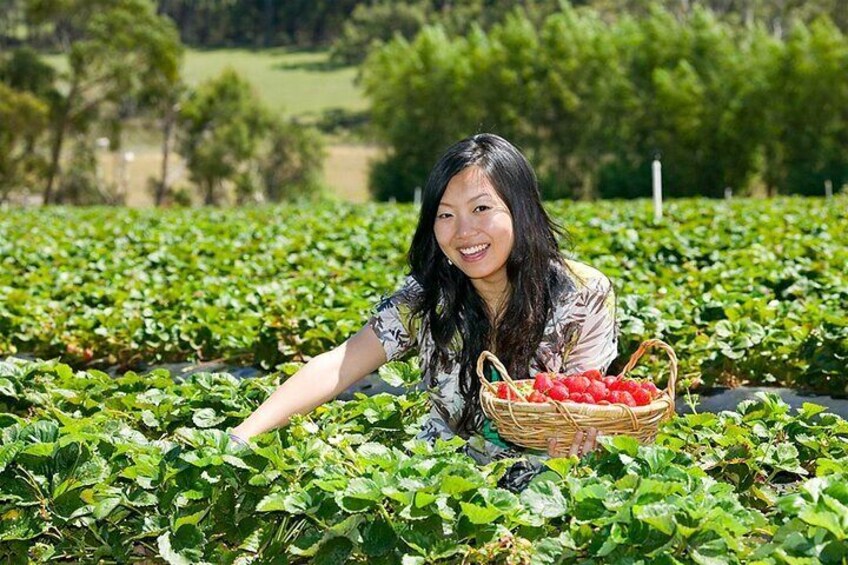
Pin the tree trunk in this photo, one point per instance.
(167, 129)
(58, 141)
(209, 197)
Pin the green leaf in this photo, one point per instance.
(659, 515)
(7, 388)
(8, 453)
(454, 485)
(333, 551)
(207, 418)
(479, 514)
(545, 499)
(378, 538)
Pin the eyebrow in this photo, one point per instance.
(478, 197)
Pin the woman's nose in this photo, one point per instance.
(466, 225)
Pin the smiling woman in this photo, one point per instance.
(486, 273)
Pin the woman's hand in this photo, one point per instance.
(585, 441)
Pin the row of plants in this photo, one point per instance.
(139, 468)
(743, 292)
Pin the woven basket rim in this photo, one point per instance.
(661, 403)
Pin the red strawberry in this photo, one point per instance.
(543, 382)
(576, 383)
(622, 397)
(506, 393)
(537, 397)
(631, 386)
(592, 374)
(598, 390)
(642, 397)
(616, 384)
(651, 388)
(559, 392)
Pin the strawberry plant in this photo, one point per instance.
(139, 469)
(750, 291)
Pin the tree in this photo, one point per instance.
(222, 125)
(23, 118)
(27, 91)
(115, 50)
(808, 111)
(290, 166)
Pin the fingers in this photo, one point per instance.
(553, 447)
(577, 444)
(585, 442)
(590, 441)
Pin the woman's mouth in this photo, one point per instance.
(475, 253)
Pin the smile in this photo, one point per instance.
(473, 252)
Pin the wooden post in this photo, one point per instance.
(656, 169)
(828, 188)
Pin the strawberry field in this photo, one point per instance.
(137, 467)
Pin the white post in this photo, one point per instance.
(728, 193)
(418, 196)
(127, 158)
(828, 189)
(656, 169)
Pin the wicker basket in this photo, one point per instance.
(532, 425)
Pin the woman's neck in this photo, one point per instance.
(495, 295)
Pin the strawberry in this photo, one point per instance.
(651, 388)
(576, 383)
(642, 397)
(506, 393)
(537, 397)
(622, 397)
(598, 390)
(543, 382)
(559, 392)
(588, 398)
(616, 384)
(631, 386)
(592, 374)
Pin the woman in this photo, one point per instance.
(486, 273)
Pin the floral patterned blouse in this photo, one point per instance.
(580, 334)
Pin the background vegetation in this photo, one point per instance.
(748, 95)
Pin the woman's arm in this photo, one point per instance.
(320, 380)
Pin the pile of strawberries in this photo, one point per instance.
(585, 388)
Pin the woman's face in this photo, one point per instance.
(474, 227)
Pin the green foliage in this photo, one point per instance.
(749, 291)
(23, 119)
(592, 100)
(227, 136)
(370, 26)
(221, 126)
(138, 468)
(117, 53)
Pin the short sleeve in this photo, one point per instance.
(392, 321)
(597, 344)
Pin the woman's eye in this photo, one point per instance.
(482, 208)
(442, 216)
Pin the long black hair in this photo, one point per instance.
(450, 306)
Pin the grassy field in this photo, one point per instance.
(299, 83)
(293, 83)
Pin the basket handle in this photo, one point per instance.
(672, 378)
(481, 361)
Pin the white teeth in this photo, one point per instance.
(473, 250)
